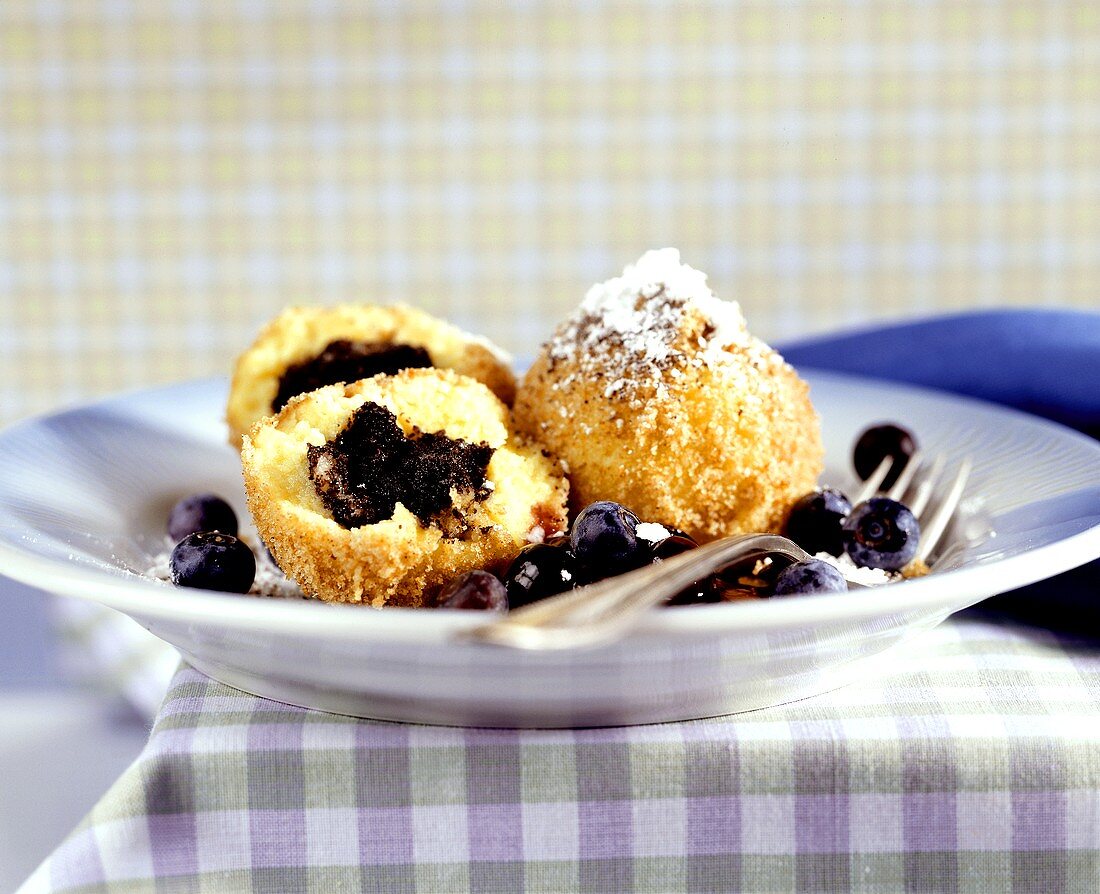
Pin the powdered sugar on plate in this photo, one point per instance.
(858, 574)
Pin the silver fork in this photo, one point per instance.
(919, 495)
(603, 611)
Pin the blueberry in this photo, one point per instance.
(211, 560)
(675, 543)
(604, 541)
(814, 522)
(701, 591)
(747, 578)
(881, 533)
(477, 590)
(540, 570)
(811, 576)
(201, 512)
(878, 442)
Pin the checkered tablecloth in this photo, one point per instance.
(973, 766)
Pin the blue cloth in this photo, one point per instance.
(1045, 362)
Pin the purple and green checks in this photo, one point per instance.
(973, 765)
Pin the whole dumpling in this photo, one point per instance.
(655, 395)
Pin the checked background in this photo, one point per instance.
(174, 173)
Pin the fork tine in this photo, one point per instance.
(908, 471)
(872, 484)
(931, 533)
(924, 490)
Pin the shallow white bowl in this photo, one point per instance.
(84, 495)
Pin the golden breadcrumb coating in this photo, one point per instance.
(916, 568)
(299, 334)
(398, 561)
(655, 396)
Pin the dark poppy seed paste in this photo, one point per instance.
(347, 361)
(372, 465)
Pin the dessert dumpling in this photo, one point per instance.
(656, 396)
(382, 490)
(305, 348)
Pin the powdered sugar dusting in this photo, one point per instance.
(858, 574)
(631, 329)
(651, 532)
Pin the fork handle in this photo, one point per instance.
(599, 611)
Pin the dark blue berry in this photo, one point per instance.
(540, 570)
(211, 560)
(814, 522)
(478, 590)
(881, 533)
(878, 442)
(746, 579)
(678, 542)
(201, 512)
(604, 541)
(702, 592)
(675, 543)
(811, 576)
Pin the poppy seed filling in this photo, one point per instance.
(372, 465)
(347, 361)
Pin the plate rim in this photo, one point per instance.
(130, 592)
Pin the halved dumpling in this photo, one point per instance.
(306, 348)
(383, 490)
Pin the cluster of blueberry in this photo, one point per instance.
(208, 553)
(879, 532)
(608, 539)
(604, 541)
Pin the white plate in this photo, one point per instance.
(84, 494)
